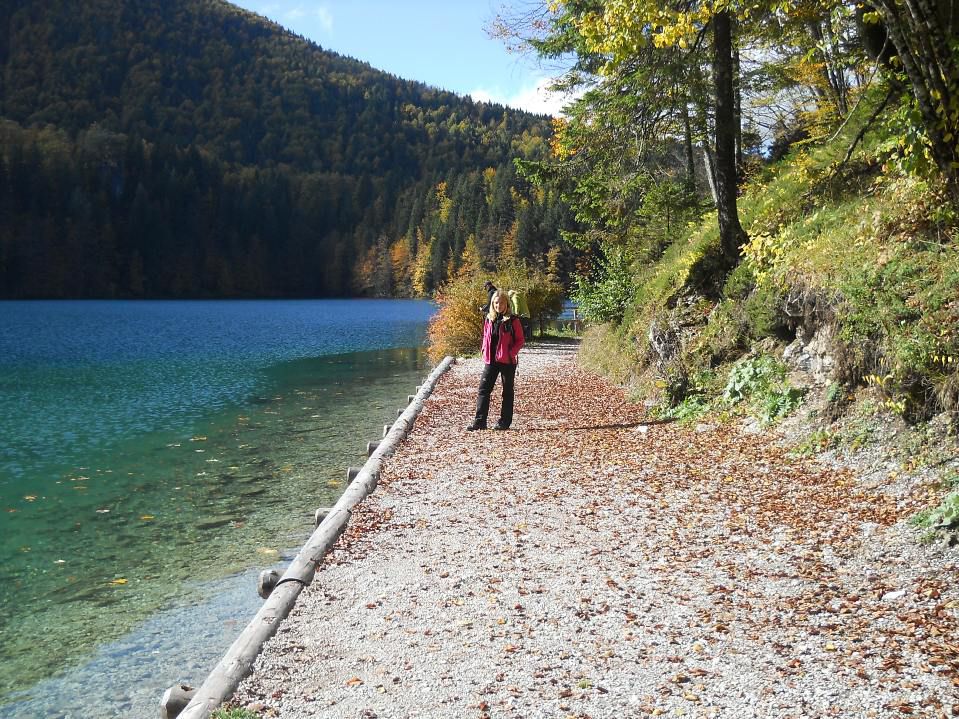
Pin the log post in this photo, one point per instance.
(351, 473)
(410, 398)
(237, 663)
(174, 700)
(267, 582)
(386, 430)
(320, 514)
(399, 412)
(371, 447)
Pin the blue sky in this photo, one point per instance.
(443, 43)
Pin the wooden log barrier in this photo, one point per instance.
(351, 474)
(410, 398)
(320, 514)
(267, 582)
(386, 430)
(371, 447)
(174, 700)
(238, 661)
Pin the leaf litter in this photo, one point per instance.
(578, 565)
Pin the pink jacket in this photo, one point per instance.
(509, 345)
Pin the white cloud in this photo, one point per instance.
(320, 13)
(326, 19)
(535, 98)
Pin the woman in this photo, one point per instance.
(502, 340)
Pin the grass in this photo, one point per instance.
(818, 442)
(855, 245)
(234, 713)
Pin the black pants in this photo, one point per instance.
(490, 372)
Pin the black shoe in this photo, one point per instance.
(475, 426)
(501, 428)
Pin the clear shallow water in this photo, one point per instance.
(150, 449)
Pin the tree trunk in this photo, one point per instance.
(709, 163)
(920, 32)
(836, 72)
(834, 81)
(709, 159)
(738, 113)
(731, 234)
(688, 146)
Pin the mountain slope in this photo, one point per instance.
(190, 148)
(205, 72)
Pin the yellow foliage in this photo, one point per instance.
(443, 201)
(470, 260)
(559, 142)
(489, 174)
(421, 267)
(400, 260)
(457, 328)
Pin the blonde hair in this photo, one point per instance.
(494, 301)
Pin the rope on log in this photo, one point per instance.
(238, 661)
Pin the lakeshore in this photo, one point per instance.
(594, 562)
(152, 452)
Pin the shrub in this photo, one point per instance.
(457, 327)
(606, 293)
(762, 312)
(945, 517)
(608, 352)
(761, 381)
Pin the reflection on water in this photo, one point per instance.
(158, 517)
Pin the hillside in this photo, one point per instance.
(190, 148)
(837, 333)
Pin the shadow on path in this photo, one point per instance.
(620, 425)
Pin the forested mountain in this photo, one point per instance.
(173, 148)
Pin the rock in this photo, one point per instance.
(215, 523)
(894, 596)
(812, 354)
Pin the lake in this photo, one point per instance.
(154, 457)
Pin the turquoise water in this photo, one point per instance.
(153, 450)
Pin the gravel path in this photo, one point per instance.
(595, 563)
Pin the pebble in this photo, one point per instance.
(529, 593)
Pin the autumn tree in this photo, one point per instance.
(923, 33)
(422, 265)
(620, 29)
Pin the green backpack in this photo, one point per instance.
(517, 303)
(519, 307)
